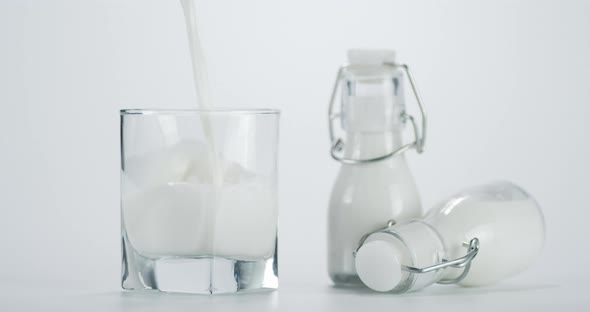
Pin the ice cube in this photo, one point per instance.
(176, 163)
(234, 173)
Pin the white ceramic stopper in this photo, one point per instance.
(378, 266)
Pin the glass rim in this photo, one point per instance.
(189, 111)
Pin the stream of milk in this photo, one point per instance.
(184, 200)
(201, 82)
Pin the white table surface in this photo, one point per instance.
(18, 294)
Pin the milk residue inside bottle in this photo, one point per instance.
(186, 200)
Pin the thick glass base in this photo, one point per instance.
(198, 275)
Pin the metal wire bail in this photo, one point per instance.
(463, 262)
(419, 135)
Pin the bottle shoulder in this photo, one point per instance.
(376, 187)
(381, 171)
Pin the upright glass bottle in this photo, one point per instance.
(374, 183)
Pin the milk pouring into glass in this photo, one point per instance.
(374, 183)
(198, 193)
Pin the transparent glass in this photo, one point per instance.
(199, 200)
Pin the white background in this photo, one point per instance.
(506, 84)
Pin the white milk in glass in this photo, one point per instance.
(173, 207)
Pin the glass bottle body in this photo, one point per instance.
(365, 194)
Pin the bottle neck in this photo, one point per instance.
(366, 145)
(382, 254)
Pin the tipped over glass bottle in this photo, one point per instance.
(477, 237)
(374, 182)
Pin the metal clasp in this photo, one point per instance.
(419, 136)
(463, 262)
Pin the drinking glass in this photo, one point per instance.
(199, 200)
